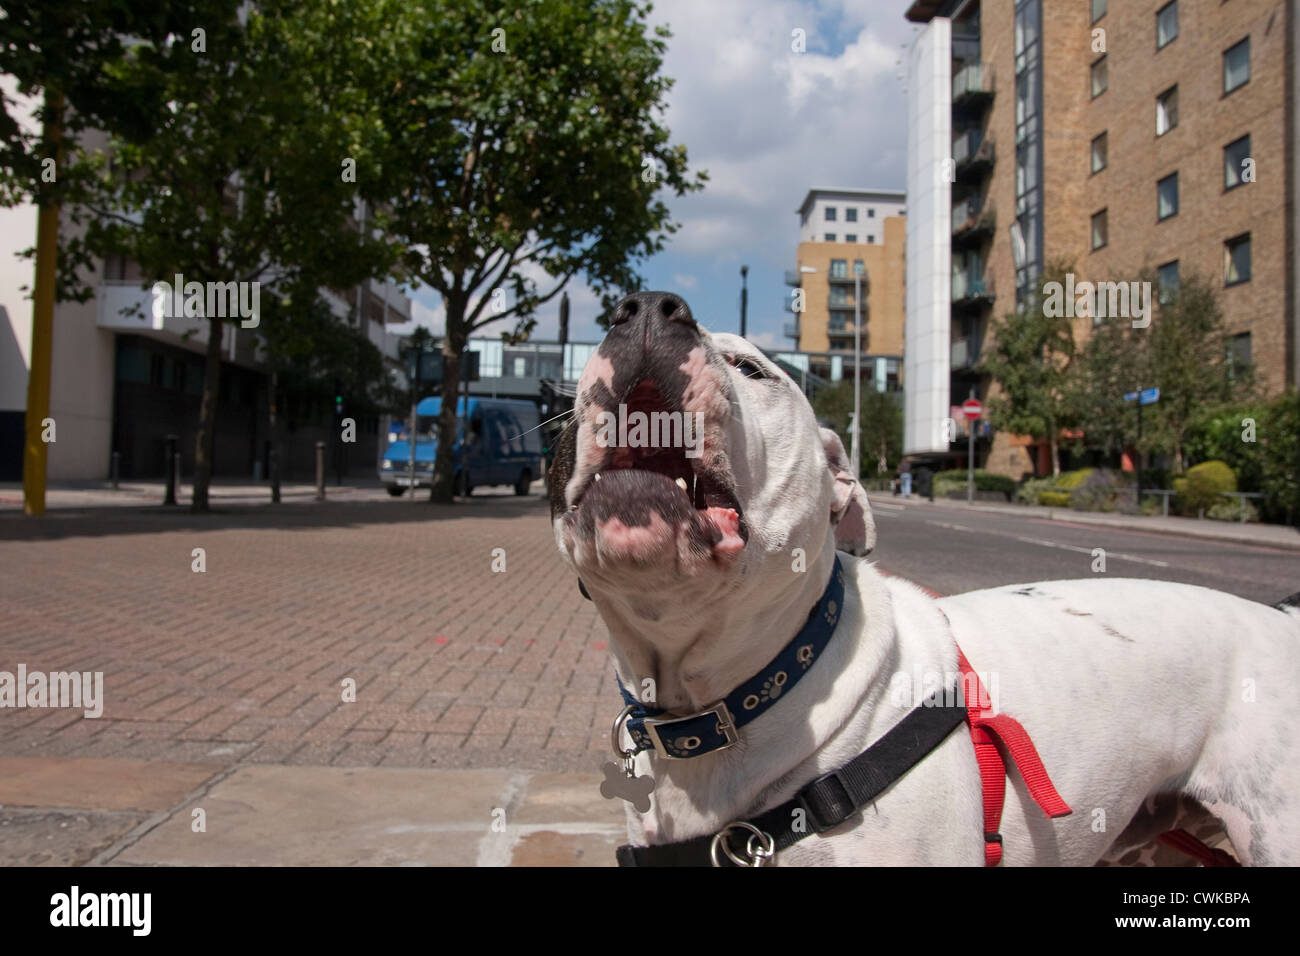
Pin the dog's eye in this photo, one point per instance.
(747, 368)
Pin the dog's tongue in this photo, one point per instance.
(728, 523)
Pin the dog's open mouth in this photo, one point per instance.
(647, 498)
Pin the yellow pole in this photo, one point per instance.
(35, 451)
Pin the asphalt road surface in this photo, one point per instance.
(951, 550)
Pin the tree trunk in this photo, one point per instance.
(1056, 458)
(205, 443)
(444, 464)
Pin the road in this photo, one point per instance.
(953, 549)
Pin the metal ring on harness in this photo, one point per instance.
(761, 855)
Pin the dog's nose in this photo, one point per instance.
(650, 320)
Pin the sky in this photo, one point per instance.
(767, 124)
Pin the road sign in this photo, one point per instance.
(1148, 396)
(971, 408)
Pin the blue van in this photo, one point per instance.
(502, 446)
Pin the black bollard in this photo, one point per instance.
(169, 471)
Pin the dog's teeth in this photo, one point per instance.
(681, 483)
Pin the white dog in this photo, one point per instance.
(1153, 706)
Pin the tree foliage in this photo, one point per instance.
(882, 424)
(1031, 357)
(514, 148)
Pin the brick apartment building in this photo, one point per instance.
(1130, 135)
(844, 233)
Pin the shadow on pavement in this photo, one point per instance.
(91, 521)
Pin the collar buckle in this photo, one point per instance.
(690, 741)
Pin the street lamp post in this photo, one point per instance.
(744, 297)
(857, 367)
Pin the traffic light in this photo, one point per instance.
(338, 397)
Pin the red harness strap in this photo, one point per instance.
(985, 732)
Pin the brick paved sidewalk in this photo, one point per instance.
(455, 666)
(486, 686)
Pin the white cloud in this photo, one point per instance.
(685, 281)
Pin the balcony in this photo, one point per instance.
(793, 277)
(841, 299)
(973, 221)
(790, 330)
(787, 304)
(972, 286)
(972, 155)
(973, 85)
(964, 354)
(123, 306)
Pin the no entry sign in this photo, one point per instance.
(971, 408)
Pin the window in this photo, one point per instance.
(839, 268)
(851, 215)
(871, 238)
(1236, 66)
(1239, 352)
(1166, 111)
(1099, 232)
(829, 237)
(850, 237)
(1167, 197)
(1099, 153)
(830, 213)
(858, 268)
(1236, 163)
(839, 296)
(1236, 260)
(1167, 281)
(871, 213)
(1098, 10)
(1099, 77)
(1166, 24)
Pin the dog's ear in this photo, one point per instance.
(855, 530)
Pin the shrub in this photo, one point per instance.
(1054, 499)
(1200, 489)
(955, 480)
(1226, 510)
(1027, 493)
(1103, 489)
(1069, 480)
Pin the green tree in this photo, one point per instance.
(882, 424)
(1031, 358)
(1184, 353)
(242, 176)
(521, 146)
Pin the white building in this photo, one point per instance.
(122, 380)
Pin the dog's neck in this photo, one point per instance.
(698, 651)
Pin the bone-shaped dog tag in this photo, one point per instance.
(626, 785)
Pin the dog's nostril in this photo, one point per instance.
(668, 306)
(625, 312)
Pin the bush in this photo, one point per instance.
(1069, 480)
(1054, 499)
(1226, 510)
(955, 480)
(1027, 493)
(1200, 490)
(1103, 489)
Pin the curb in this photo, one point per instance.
(1054, 514)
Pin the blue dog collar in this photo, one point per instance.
(716, 728)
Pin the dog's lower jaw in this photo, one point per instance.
(679, 644)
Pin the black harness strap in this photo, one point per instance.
(832, 798)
